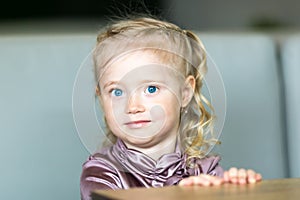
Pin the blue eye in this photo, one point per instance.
(117, 92)
(151, 89)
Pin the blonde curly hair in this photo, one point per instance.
(172, 44)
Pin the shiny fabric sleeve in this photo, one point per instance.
(98, 174)
(209, 165)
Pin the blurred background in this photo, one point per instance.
(204, 15)
(254, 43)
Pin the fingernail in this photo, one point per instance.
(182, 183)
(242, 181)
(252, 180)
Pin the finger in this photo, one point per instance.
(203, 180)
(217, 181)
(250, 172)
(242, 176)
(194, 180)
(213, 180)
(233, 175)
(226, 176)
(258, 177)
(186, 182)
(251, 176)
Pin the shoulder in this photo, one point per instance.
(98, 172)
(97, 162)
(107, 158)
(100, 164)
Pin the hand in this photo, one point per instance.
(241, 176)
(202, 180)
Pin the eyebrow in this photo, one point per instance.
(110, 83)
(142, 82)
(154, 81)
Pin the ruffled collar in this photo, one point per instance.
(169, 167)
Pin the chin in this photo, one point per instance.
(139, 142)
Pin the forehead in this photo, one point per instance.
(140, 65)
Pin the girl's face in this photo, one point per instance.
(141, 99)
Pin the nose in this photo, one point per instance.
(135, 104)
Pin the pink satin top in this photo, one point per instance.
(118, 167)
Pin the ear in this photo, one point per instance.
(188, 90)
(98, 94)
(97, 90)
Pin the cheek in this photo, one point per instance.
(158, 112)
(169, 109)
(109, 114)
(111, 108)
(112, 122)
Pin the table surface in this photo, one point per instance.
(264, 190)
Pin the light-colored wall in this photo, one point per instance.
(231, 14)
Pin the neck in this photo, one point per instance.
(158, 150)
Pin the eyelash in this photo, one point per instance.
(114, 90)
(151, 86)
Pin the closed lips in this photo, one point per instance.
(138, 122)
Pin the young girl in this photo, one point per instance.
(149, 77)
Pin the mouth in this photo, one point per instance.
(138, 123)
